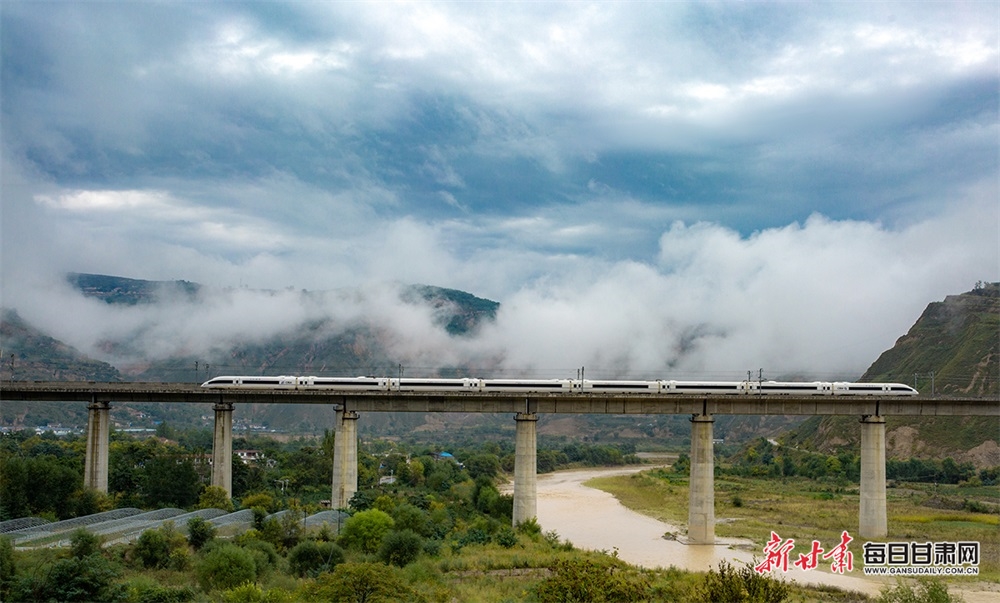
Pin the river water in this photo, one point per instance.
(595, 520)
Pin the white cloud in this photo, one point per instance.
(820, 299)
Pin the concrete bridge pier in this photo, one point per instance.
(701, 495)
(95, 472)
(345, 458)
(872, 514)
(222, 447)
(525, 467)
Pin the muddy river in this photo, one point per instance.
(592, 519)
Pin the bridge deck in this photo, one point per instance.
(481, 402)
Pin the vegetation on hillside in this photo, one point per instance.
(956, 340)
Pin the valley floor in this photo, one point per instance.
(593, 518)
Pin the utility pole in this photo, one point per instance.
(930, 374)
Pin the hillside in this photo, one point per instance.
(30, 355)
(958, 341)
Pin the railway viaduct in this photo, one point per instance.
(525, 409)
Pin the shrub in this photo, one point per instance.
(226, 566)
(926, 591)
(310, 558)
(400, 548)
(359, 582)
(249, 592)
(180, 559)
(82, 543)
(530, 528)
(474, 535)
(147, 590)
(506, 538)
(742, 585)
(432, 548)
(585, 580)
(264, 554)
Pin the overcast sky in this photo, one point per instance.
(654, 188)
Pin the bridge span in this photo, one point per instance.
(526, 408)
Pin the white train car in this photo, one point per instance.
(790, 388)
(841, 388)
(617, 387)
(435, 385)
(363, 384)
(556, 386)
(248, 382)
(704, 387)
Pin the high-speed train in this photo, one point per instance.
(566, 386)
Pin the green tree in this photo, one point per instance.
(92, 578)
(365, 530)
(284, 531)
(310, 558)
(415, 473)
(152, 474)
(169, 480)
(410, 517)
(37, 485)
(215, 497)
(264, 554)
(485, 465)
(259, 499)
(8, 570)
(152, 549)
(400, 548)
